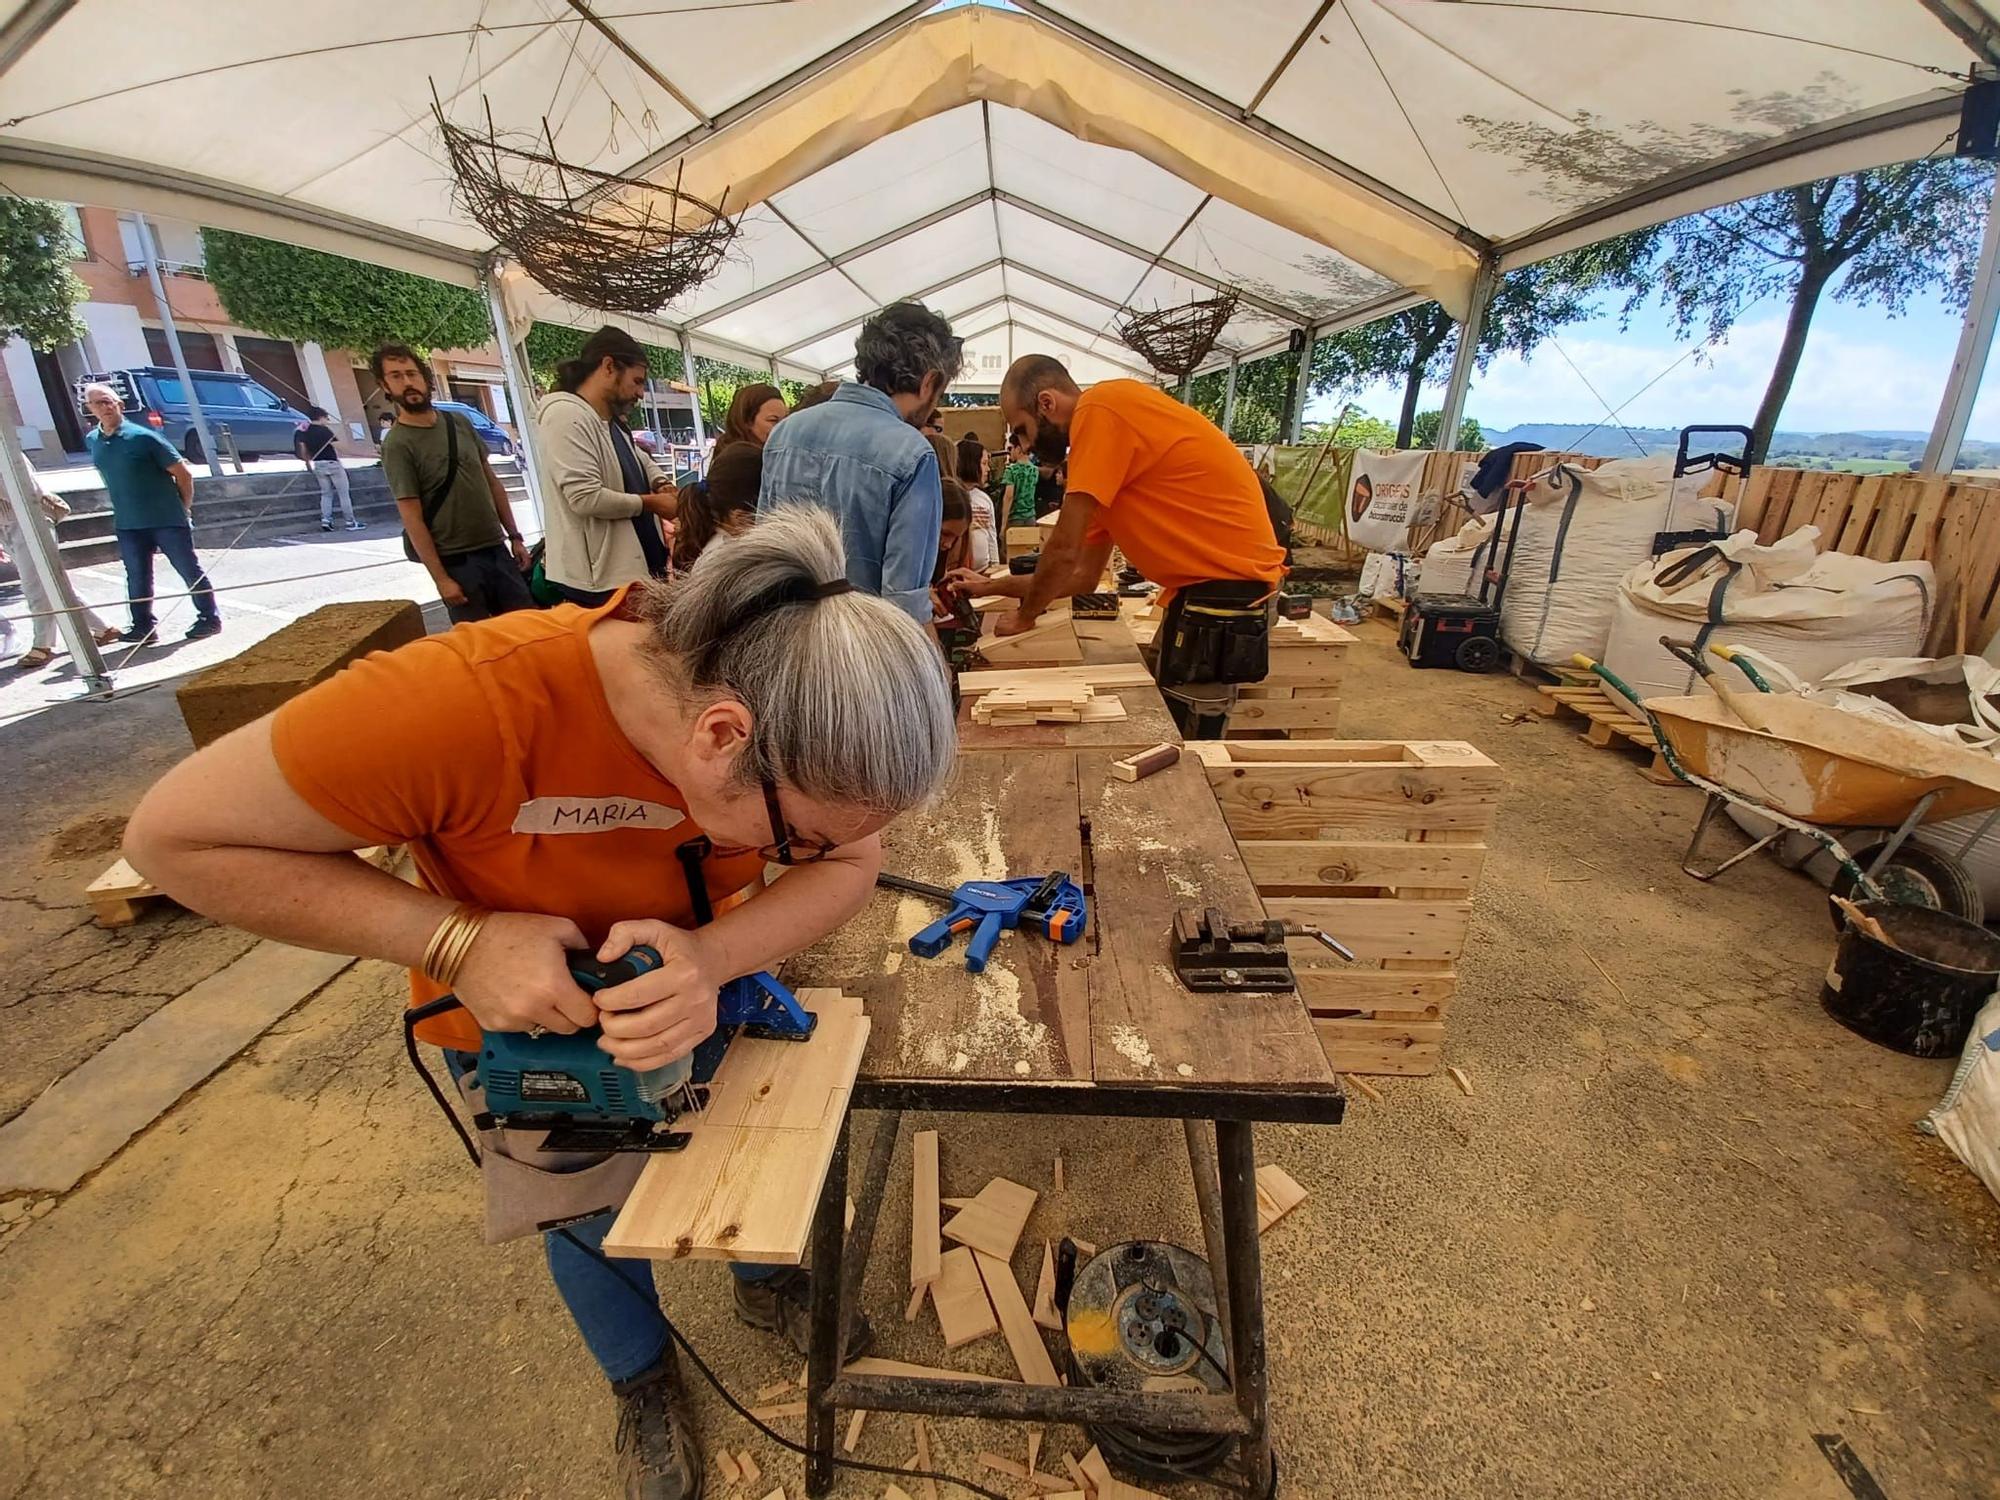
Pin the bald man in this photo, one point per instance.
(1163, 484)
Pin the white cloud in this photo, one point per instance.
(1844, 383)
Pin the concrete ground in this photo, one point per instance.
(1681, 1226)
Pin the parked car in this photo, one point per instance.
(490, 432)
(259, 421)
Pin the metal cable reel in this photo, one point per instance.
(1141, 1317)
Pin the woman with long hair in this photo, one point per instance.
(722, 504)
(983, 540)
(753, 412)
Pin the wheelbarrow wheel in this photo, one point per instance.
(1917, 876)
(1478, 653)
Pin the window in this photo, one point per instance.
(200, 349)
(222, 392)
(79, 248)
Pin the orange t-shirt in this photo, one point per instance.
(1171, 490)
(492, 752)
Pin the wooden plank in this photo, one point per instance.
(1803, 501)
(1298, 800)
(1862, 515)
(960, 1299)
(1277, 1195)
(1750, 507)
(1361, 1045)
(1099, 675)
(1779, 485)
(1053, 642)
(1017, 1326)
(1921, 540)
(854, 1422)
(745, 1191)
(1836, 499)
(1321, 714)
(993, 1221)
(925, 1248)
(1418, 993)
(1353, 862)
(1158, 845)
(1383, 928)
(872, 1365)
(1107, 1486)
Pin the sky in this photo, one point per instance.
(1862, 370)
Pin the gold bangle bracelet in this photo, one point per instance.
(451, 941)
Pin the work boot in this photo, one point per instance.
(783, 1304)
(207, 625)
(657, 1456)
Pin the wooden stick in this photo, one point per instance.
(854, 1428)
(925, 1247)
(1361, 1086)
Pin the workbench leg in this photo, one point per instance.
(1236, 1153)
(1201, 1163)
(867, 1210)
(823, 1357)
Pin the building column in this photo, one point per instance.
(1968, 364)
(319, 379)
(1467, 353)
(520, 395)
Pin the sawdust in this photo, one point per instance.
(90, 836)
(991, 1028)
(1132, 1045)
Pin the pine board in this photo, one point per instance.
(993, 1221)
(745, 1187)
(925, 1249)
(1100, 675)
(1277, 1195)
(1017, 1325)
(964, 1314)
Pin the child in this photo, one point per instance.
(952, 613)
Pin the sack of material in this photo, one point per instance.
(1810, 612)
(1967, 1119)
(1386, 575)
(1582, 531)
(1448, 567)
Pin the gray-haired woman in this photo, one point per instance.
(545, 768)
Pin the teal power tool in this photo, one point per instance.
(1052, 905)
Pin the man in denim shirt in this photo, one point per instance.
(863, 456)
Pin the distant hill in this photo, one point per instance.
(1874, 451)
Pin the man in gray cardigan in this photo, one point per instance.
(605, 495)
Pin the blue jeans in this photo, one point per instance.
(136, 546)
(625, 1333)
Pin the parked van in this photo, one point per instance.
(260, 422)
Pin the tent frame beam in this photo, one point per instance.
(1966, 22)
(1968, 362)
(917, 296)
(28, 26)
(1467, 354)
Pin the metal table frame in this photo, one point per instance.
(1226, 1194)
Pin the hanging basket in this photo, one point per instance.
(604, 241)
(1173, 340)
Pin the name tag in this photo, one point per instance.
(593, 815)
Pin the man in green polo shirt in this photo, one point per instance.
(456, 515)
(152, 508)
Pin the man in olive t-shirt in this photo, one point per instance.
(463, 530)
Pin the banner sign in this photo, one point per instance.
(1382, 497)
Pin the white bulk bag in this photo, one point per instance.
(1811, 612)
(1581, 531)
(1385, 575)
(1967, 1119)
(1448, 567)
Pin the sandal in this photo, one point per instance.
(39, 656)
(107, 635)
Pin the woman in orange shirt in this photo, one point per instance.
(545, 768)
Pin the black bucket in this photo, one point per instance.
(1920, 995)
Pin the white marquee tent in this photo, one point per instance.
(1028, 169)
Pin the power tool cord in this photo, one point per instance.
(416, 1014)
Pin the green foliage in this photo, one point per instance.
(1260, 397)
(1424, 433)
(1879, 236)
(39, 292)
(549, 344)
(291, 292)
(720, 382)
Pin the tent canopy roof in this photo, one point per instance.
(1028, 172)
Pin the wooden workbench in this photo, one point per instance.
(1147, 720)
(1097, 1027)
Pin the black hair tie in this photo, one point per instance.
(829, 589)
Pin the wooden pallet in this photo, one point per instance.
(1389, 607)
(1611, 723)
(1380, 843)
(121, 892)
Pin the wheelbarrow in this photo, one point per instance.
(1808, 768)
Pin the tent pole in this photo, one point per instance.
(1968, 365)
(520, 394)
(691, 373)
(1295, 418)
(42, 558)
(1229, 402)
(1469, 334)
(149, 248)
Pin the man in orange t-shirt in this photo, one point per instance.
(1148, 474)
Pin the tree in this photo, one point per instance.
(1471, 437)
(1260, 397)
(1416, 345)
(291, 292)
(39, 292)
(549, 344)
(1877, 236)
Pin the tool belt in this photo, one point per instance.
(1218, 631)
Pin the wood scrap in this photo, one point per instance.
(784, 1409)
(1100, 675)
(964, 1314)
(1084, 1249)
(1458, 1077)
(1076, 1471)
(1362, 1086)
(1277, 1195)
(1051, 641)
(954, 1204)
(772, 1392)
(893, 1493)
(725, 1465)
(916, 1303)
(993, 1221)
(1034, 1450)
(1001, 1465)
(1108, 1486)
(748, 1464)
(1868, 925)
(1045, 1291)
(1017, 1326)
(1145, 763)
(777, 1494)
(924, 1458)
(1059, 1172)
(854, 1428)
(925, 1247)
(870, 1364)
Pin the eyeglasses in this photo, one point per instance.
(786, 847)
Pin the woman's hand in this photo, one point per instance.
(516, 975)
(652, 1020)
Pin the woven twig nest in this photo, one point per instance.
(1173, 340)
(604, 241)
